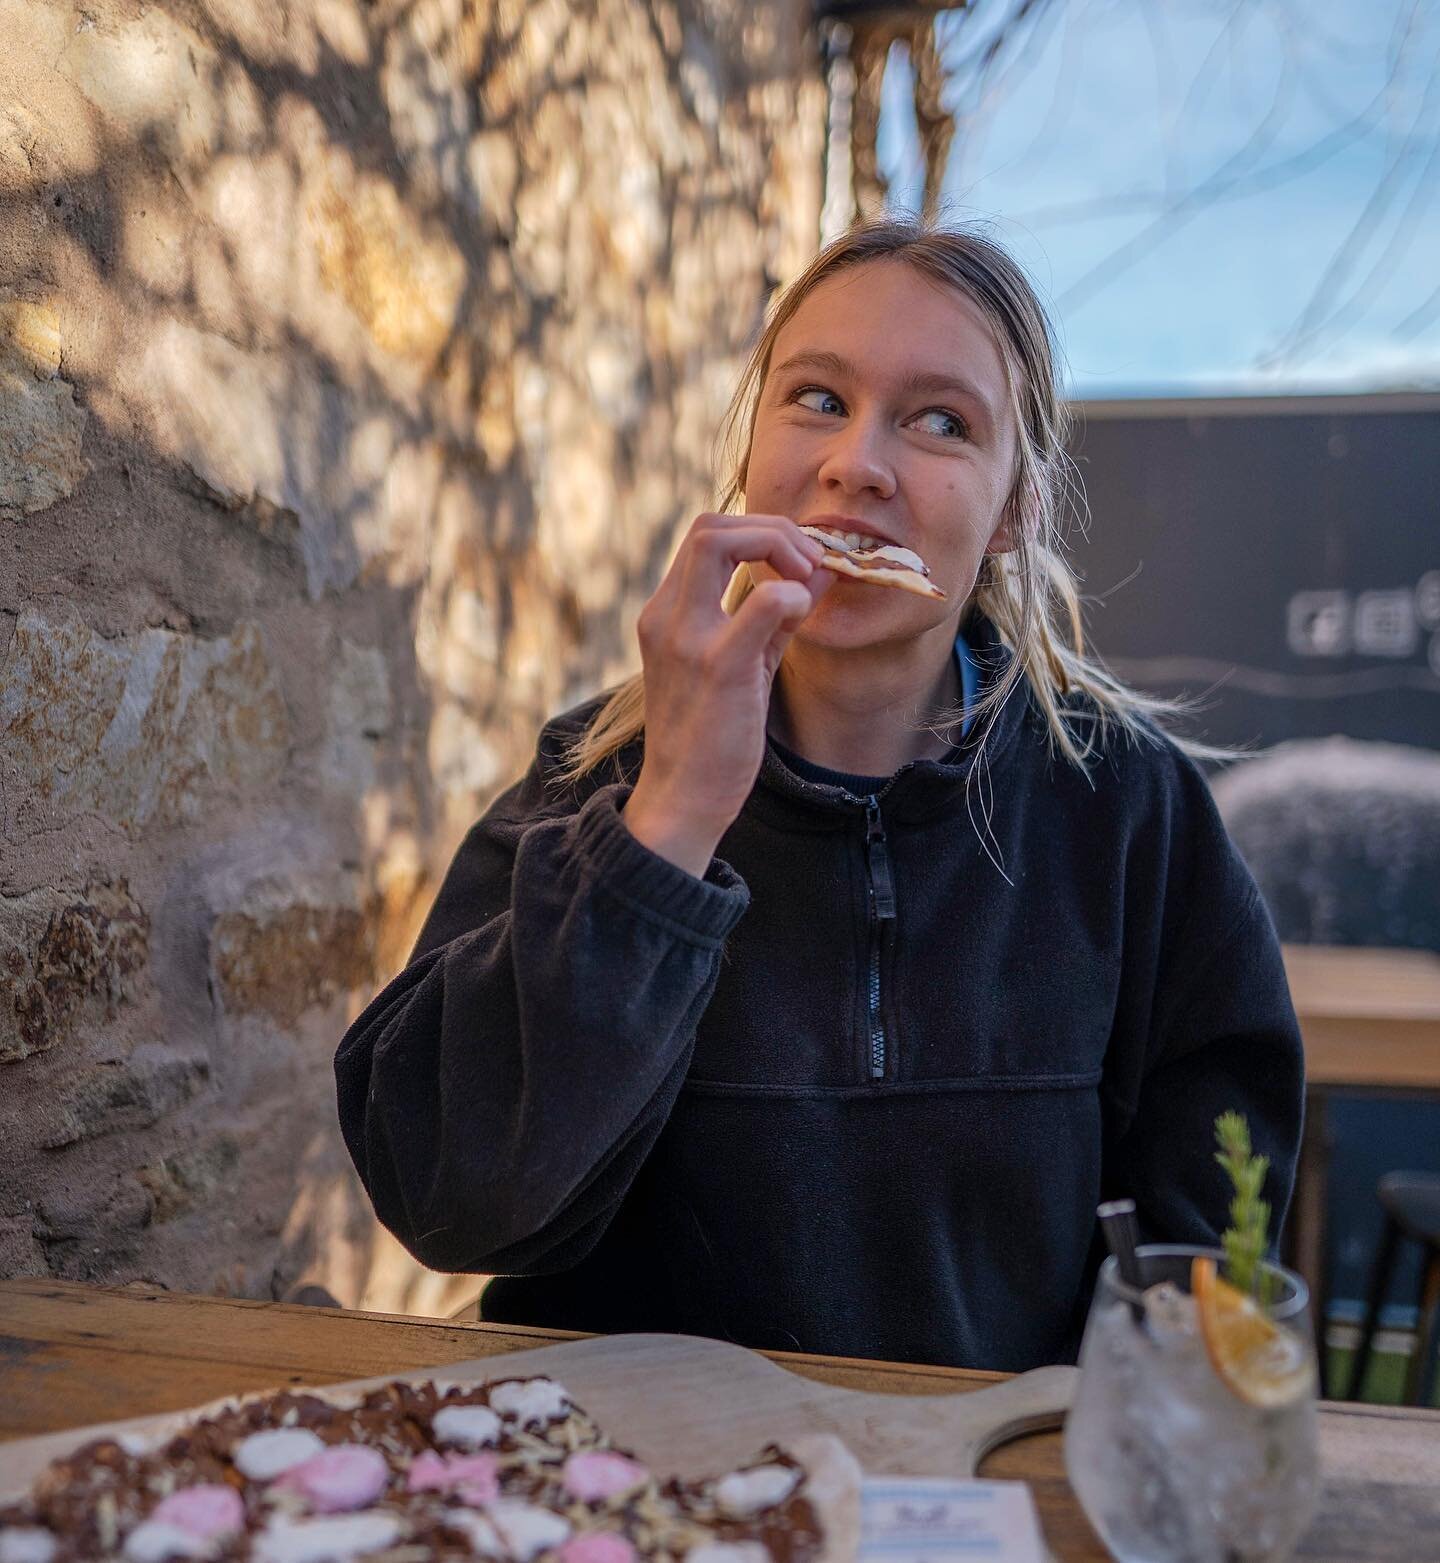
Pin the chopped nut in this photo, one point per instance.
(107, 1522)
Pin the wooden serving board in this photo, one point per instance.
(691, 1407)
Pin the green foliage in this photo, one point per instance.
(1247, 1237)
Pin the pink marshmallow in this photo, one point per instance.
(205, 1510)
(427, 1473)
(597, 1546)
(593, 1475)
(342, 1477)
(474, 1477)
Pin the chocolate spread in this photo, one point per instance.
(91, 1500)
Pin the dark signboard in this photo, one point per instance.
(1281, 556)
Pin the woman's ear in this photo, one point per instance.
(1005, 539)
(1016, 518)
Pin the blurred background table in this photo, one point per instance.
(75, 1355)
(1370, 1019)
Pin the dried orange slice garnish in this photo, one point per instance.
(1258, 1361)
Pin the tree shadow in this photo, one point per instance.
(315, 288)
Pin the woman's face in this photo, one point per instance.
(885, 412)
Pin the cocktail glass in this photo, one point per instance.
(1180, 1448)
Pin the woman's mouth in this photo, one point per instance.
(849, 541)
(883, 564)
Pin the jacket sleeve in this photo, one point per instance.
(1222, 1036)
(500, 1095)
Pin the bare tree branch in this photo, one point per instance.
(1010, 36)
(1319, 311)
(1185, 207)
(1016, 44)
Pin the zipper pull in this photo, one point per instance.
(882, 881)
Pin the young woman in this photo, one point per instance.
(812, 989)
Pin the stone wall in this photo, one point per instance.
(359, 364)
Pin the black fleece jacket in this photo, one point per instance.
(857, 1090)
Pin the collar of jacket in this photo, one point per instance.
(920, 788)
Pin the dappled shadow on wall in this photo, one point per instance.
(315, 511)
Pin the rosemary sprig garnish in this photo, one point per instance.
(1246, 1238)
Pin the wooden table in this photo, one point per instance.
(1369, 1017)
(72, 1355)
(1370, 1020)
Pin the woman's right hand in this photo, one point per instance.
(708, 678)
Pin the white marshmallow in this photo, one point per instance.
(333, 1539)
(156, 1542)
(530, 1400)
(898, 555)
(264, 1456)
(26, 1544)
(525, 1528)
(478, 1531)
(744, 1493)
(468, 1426)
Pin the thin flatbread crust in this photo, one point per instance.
(885, 565)
(833, 1487)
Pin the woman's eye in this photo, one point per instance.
(935, 420)
(816, 400)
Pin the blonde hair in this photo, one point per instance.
(1030, 594)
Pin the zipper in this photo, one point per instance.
(882, 910)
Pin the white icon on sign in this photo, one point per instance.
(1385, 623)
(1427, 599)
(1317, 624)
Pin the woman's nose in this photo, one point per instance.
(856, 459)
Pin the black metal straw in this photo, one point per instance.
(1117, 1222)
